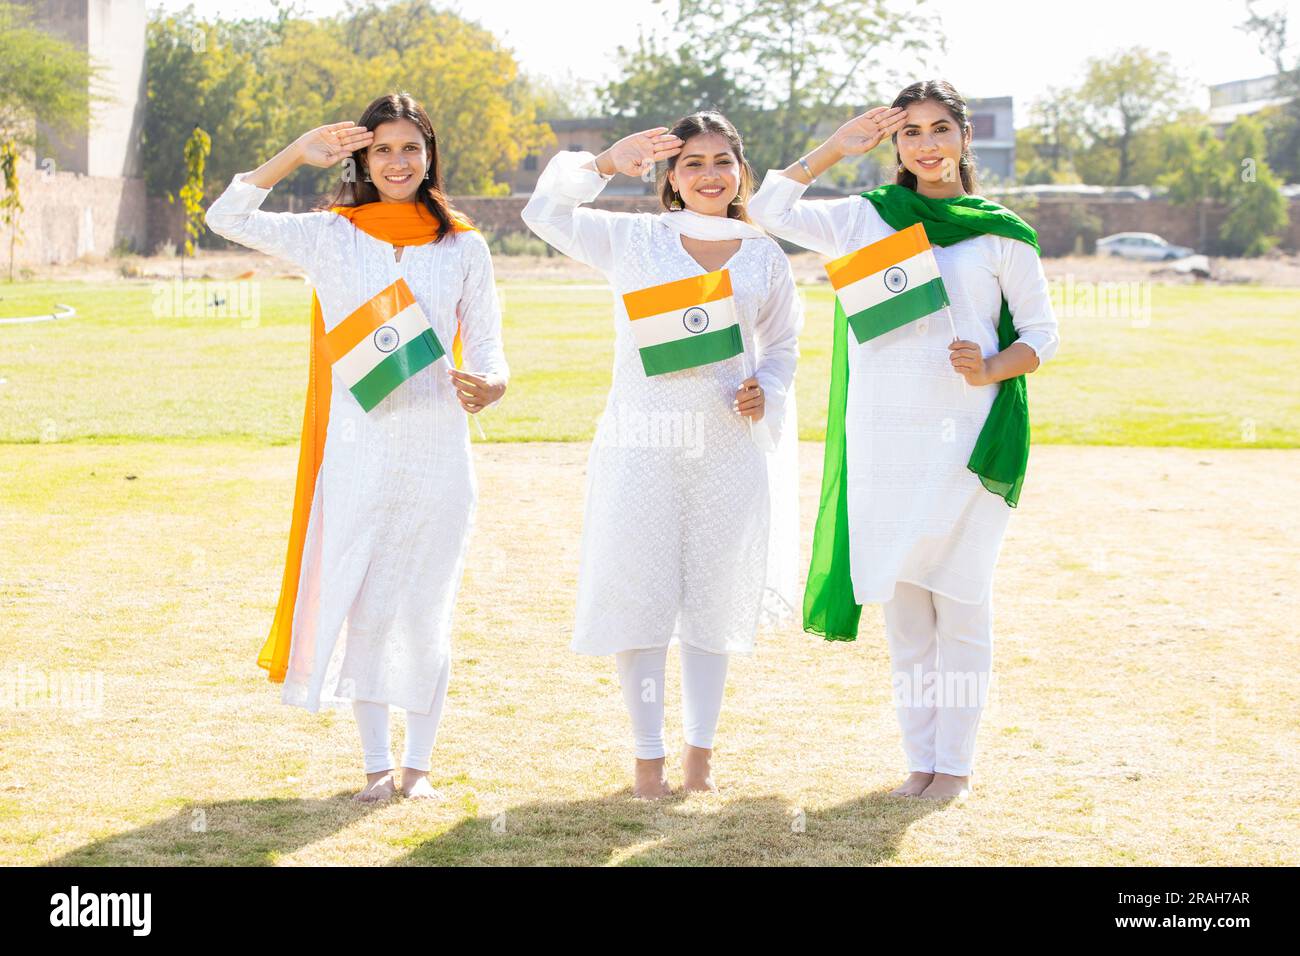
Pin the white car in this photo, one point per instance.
(1140, 245)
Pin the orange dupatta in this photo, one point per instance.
(402, 224)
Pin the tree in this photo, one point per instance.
(11, 205)
(1122, 95)
(196, 153)
(41, 77)
(562, 97)
(1257, 211)
(256, 84)
(807, 62)
(658, 86)
(1046, 147)
(1204, 170)
(1282, 123)
(1193, 158)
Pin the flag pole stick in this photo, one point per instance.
(965, 389)
(744, 365)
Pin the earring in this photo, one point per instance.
(367, 179)
(677, 201)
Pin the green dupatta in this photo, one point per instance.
(1001, 451)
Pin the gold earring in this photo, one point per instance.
(677, 201)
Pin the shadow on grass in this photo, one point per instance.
(677, 830)
(225, 833)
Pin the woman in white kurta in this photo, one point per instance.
(682, 487)
(395, 494)
(924, 532)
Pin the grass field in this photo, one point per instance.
(1143, 708)
(1210, 367)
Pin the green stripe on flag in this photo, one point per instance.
(421, 352)
(899, 310)
(697, 350)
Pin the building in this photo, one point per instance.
(993, 137)
(1242, 98)
(84, 194)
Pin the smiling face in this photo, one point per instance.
(706, 174)
(930, 144)
(397, 160)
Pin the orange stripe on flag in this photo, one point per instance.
(878, 256)
(681, 294)
(341, 339)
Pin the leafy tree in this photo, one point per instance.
(1282, 123)
(1203, 170)
(41, 77)
(1257, 211)
(789, 65)
(659, 84)
(1122, 95)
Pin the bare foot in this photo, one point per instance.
(379, 786)
(651, 784)
(416, 785)
(911, 787)
(697, 771)
(947, 787)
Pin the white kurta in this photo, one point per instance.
(396, 492)
(676, 529)
(916, 512)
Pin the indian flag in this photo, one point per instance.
(888, 283)
(685, 323)
(382, 344)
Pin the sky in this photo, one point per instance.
(995, 47)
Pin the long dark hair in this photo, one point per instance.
(942, 92)
(711, 121)
(358, 190)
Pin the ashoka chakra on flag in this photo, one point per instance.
(382, 344)
(888, 283)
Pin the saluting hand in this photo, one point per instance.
(326, 145)
(633, 155)
(864, 133)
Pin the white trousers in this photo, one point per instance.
(641, 674)
(941, 653)
(421, 730)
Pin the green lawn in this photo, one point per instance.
(1213, 367)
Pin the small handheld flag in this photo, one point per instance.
(685, 323)
(889, 283)
(382, 344)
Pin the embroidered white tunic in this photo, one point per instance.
(676, 531)
(916, 512)
(396, 492)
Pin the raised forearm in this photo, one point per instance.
(277, 167)
(819, 160)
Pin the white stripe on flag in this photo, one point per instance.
(671, 326)
(871, 290)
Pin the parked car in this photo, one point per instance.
(1140, 245)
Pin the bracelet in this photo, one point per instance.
(807, 169)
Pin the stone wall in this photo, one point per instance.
(69, 215)
(1056, 220)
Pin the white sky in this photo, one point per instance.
(996, 47)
